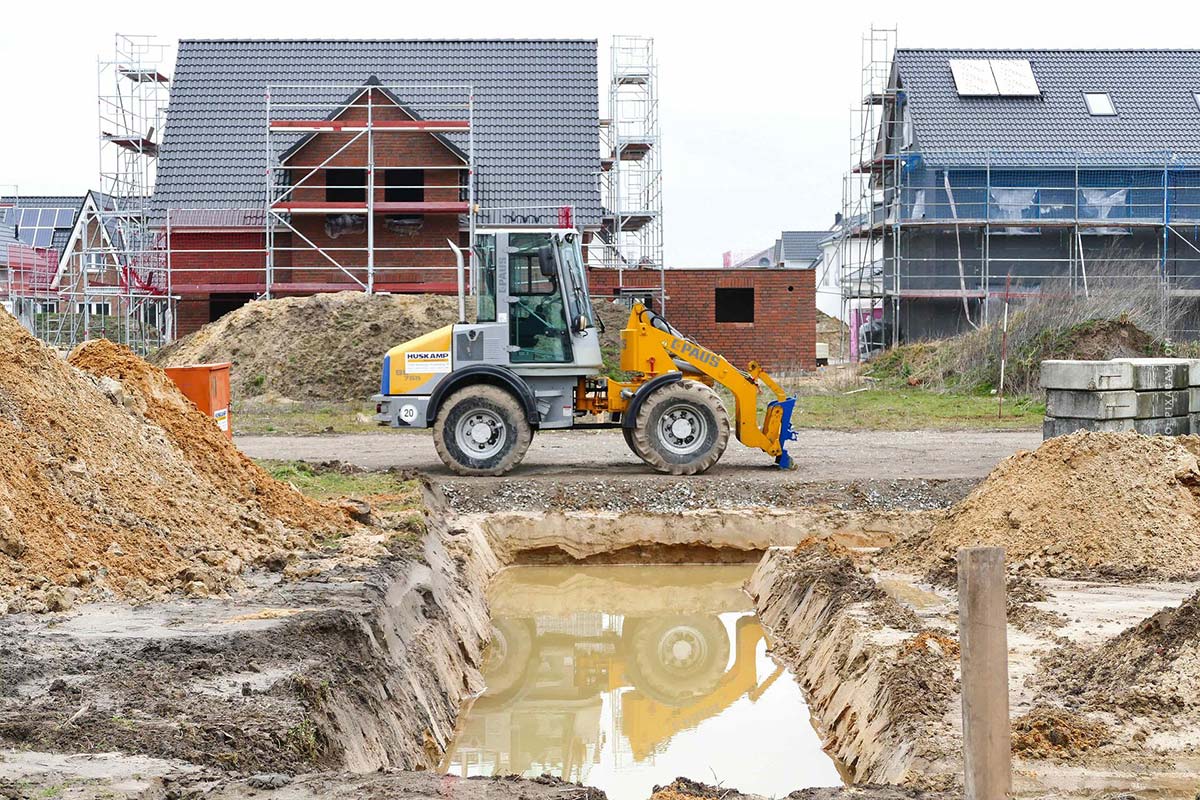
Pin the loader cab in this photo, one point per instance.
(531, 294)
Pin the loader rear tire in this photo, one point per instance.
(681, 429)
(481, 430)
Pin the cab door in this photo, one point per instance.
(537, 315)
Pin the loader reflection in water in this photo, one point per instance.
(624, 677)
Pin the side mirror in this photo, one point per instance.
(546, 261)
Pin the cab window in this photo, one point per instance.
(537, 318)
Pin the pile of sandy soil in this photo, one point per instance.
(113, 483)
(834, 333)
(322, 347)
(1046, 732)
(1108, 502)
(1152, 667)
(330, 347)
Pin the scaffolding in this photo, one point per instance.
(631, 237)
(931, 240)
(111, 278)
(326, 179)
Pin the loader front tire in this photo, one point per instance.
(481, 430)
(681, 429)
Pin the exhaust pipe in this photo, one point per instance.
(462, 283)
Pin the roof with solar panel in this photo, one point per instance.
(1138, 107)
(40, 220)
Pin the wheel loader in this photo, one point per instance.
(529, 361)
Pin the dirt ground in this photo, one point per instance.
(820, 455)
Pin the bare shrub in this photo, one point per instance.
(1122, 314)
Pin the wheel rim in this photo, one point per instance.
(682, 429)
(681, 648)
(481, 433)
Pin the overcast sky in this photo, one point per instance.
(755, 97)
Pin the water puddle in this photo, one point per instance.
(623, 677)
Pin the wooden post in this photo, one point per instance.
(983, 636)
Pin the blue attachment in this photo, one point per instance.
(786, 434)
(385, 382)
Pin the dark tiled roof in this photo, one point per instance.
(536, 113)
(43, 201)
(803, 245)
(1152, 90)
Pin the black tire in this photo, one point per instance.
(488, 409)
(654, 439)
(678, 659)
(628, 434)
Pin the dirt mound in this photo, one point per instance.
(1080, 503)
(124, 487)
(322, 347)
(1055, 733)
(1152, 667)
(1099, 340)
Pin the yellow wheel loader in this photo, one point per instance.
(530, 361)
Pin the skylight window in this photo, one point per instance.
(1099, 104)
(1196, 97)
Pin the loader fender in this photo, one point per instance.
(486, 374)
(629, 418)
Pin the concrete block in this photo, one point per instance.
(1193, 399)
(1151, 374)
(1193, 372)
(1061, 426)
(1163, 426)
(1163, 404)
(1088, 376)
(1091, 405)
(1194, 424)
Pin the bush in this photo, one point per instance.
(1123, 315)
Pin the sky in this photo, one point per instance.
(755, 97)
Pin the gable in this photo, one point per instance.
(380, 105)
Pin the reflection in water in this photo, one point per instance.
(624, 677)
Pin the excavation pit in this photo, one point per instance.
(624, 677)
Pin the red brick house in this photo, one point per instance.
(304, 166)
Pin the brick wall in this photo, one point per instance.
(783, 334)
(191, 314)
(233, 257)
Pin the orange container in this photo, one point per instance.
(206, 385)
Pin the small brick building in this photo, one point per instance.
(769, 315)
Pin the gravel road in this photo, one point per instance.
(820, 455)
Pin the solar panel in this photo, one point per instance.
(973, 77)
(36, 226)
(1014, 77)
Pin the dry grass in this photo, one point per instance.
(1122, 315)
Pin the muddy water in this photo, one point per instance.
(623, 677)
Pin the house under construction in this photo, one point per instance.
(984, 175)
(92, 266)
